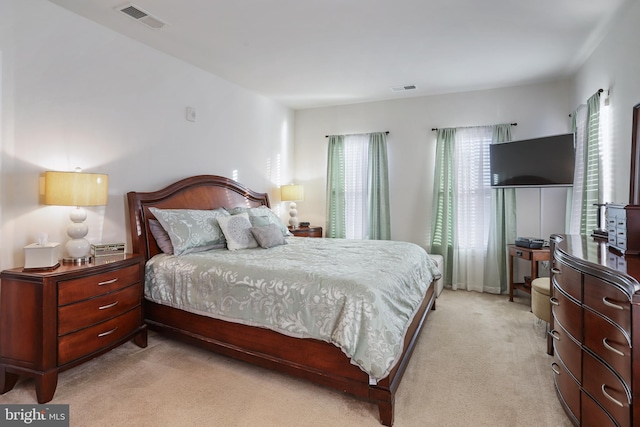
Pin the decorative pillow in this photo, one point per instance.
(162, 237)
(268, 236)
(259, 221)
(237, 231)
(266, 214)
(192, 230)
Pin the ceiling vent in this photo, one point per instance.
(134, 12)
(403, 88)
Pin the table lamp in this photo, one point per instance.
(77, 189)
(292, 193)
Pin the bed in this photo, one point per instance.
(285, 346)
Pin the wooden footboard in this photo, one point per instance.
(313, 360)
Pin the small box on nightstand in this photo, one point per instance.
(39, 257)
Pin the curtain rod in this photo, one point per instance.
(512, 124)
(598, 91)
(327, 136)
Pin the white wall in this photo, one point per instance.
(615, 65)
(77, 94)
(539, 110)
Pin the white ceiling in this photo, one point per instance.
(306, 53)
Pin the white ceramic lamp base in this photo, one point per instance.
(78, 247)
(293, 215)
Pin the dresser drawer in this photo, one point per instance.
(569, 279)
(73, 317)
(568, 313)
(593, 415)
(70, 291)
(566, 350)
(605, 387)
(94, 338)
(608, 300)
(609, 342)
(567, 388)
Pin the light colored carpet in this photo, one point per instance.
(480, 361)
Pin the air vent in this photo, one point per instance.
(403, 88)
(134, 12)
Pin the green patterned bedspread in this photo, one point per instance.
(359, 295)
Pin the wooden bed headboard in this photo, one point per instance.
(196, 192)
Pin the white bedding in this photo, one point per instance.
(359, 295)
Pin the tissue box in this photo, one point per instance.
(41, 257)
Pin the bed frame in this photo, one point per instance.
(314, 360)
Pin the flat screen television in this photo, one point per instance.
(539, 162)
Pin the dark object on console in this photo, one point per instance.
(529, 242)
(305, 224)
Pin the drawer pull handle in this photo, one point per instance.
(554, 270)
(554, 368)
(608, 396)
(518, 253)
(108, 282)
(608, 347)
(104, 307)
(554, 301)
(104, 334)
(606, 302)
(555, 335)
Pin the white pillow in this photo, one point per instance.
(237, 231)
(191, 230)
(262, 215)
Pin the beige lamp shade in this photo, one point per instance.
(75, 189)
(290, 193)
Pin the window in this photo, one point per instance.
(358, 187)
(473, 187)
(355, 173)
(472, 222)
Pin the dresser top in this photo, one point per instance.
(594, 257)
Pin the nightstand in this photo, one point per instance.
(312, 231)
(53, 321)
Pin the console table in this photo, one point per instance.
(532, 255)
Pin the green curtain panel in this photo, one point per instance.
(379, 226)
(592, 169)
(442, 229)
(502, 229)
(336, 224)
(582, 215)
(374, 170)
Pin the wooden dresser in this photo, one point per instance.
(53, 321)
(595, 331)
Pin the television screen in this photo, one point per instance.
(538, 162)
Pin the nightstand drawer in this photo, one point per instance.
(94, 338)
(70, 291)
(76, 316)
